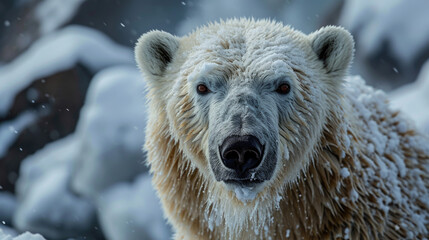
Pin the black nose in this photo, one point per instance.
(241, 153)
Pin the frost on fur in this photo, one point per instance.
(243, 160)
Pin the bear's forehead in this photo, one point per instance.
(241, 48)
(242, 37)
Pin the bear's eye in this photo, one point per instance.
(202, 89)
(284, 88)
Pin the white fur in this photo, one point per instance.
(147, 56)
(242, 62)
(334, 46)
(202, 57)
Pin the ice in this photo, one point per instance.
(45, 203)
(111, 131)
(56, 52)
(132, 211)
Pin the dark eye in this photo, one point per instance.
(202, 89)
(284, 88)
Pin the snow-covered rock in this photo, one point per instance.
(45, 203)
(392, 39)
(413, 99)
(42, 91)
(403, 24)
(25, 236)
(111, 131)
(105, 150)
(132, 212)
(57, 155)
(56, 52)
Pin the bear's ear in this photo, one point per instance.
(334, 46)
(154, 51)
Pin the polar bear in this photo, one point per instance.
(256, 132)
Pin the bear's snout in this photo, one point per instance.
(241, 153)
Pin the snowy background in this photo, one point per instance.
(72, 107)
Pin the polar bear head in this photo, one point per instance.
(246, 101)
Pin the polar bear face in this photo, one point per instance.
(247, 101)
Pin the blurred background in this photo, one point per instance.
(72, 107)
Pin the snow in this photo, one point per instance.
(104, 151)
(53, 13)
(285, 152)
(111, 131)
(354, 196)
(384, 168)
(103, 162)
(132, 212)
(24, 236)
(56, 52)
(347, 233)
(413, 100)
(29, 236)
(56, 155)
(7, 231)
(344, 172)
(45, 203)
(10, 130)
(245, 194)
